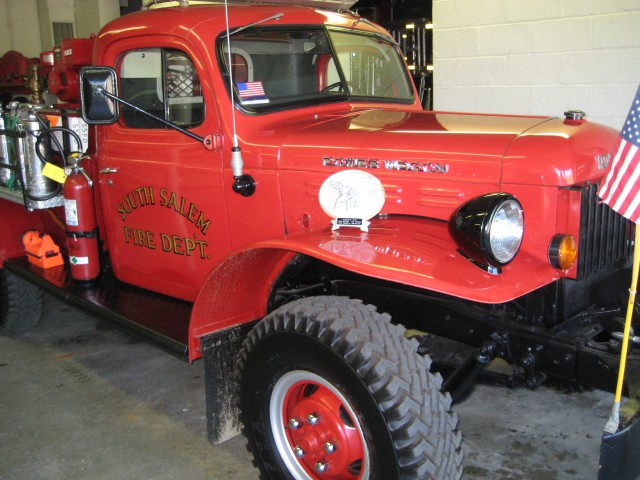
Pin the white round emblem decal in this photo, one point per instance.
(351, 197)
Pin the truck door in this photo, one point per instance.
(161, 191)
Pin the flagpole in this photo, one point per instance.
(614, 420)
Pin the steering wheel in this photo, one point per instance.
(340, 85)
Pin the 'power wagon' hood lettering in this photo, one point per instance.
(346, 162)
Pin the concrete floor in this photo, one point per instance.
(79, 400)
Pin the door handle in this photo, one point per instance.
(108, 170)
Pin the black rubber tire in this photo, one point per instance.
(409, 429)
(21, 306)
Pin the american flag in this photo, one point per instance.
(621, 187)
(250, 89)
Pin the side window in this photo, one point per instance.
(164, 83)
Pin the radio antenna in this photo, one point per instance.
(244, 184)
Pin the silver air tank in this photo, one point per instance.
(36, 185)
(5, 173)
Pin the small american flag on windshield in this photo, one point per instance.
(250, 89)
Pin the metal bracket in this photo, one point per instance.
(464, 376)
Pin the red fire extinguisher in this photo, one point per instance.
(80, 219)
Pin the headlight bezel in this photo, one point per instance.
(475, 223)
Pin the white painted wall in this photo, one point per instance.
(537, 56)
(20, 27)
(91, 15)
(25, 25)
(5, 27)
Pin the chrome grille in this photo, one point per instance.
(606, 237)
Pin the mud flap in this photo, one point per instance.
(619, 458)
(220, 351)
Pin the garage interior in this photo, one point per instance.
(82, 400)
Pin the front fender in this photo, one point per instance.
(235, 292)
(405, 250)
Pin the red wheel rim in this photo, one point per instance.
(316, 430)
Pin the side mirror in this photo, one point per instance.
(97, 107)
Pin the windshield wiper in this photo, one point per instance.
(364, 20)
(277, 16)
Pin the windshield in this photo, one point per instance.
(278, 67)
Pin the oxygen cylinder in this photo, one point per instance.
(36, 185)
(5, 173)
(80, 219)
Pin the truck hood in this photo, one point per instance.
(468, 148)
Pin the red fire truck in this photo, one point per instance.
(258, 186)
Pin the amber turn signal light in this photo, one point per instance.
(563, 251)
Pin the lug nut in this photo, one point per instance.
(294, 423)
(298, 452)
(321, 467)
(329, 447)
(312, 419)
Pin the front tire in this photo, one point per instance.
(329, 388)
(21, 306)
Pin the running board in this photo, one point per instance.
(156, 319)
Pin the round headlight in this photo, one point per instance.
(505, 231)
(489, 229)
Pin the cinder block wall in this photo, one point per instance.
(537, 57)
